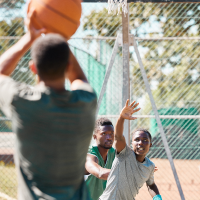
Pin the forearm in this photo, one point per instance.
(153, 190)
(119, 128)
(75, 72)
(11, 57)
(97, 171)
(103, 173)
(120, 141)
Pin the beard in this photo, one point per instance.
(106, 147)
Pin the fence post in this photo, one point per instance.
(126, 79)
(108, 71)
(164, 139)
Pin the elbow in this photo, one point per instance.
(119, 138)
(4, 72)
(102, 175)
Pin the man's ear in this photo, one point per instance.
(32, 67)
(94, 136)
(150, 145)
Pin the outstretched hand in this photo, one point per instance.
(33, 31)
(128, 110)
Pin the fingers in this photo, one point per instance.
(127, 101)
(132, 103)
(134, 106)
(32, 16)
(136, 110)
(132, 118)
(156, 169)
(29, 18)
(43, 30)
(31, 13)
(128, 110)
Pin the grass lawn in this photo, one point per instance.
(8, 180)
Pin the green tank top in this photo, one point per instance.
(97, 186)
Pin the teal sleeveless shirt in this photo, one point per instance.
(97, 186)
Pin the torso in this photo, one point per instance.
(127, 176)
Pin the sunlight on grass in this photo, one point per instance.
(8, 179)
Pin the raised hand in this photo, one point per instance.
(128, 110)
(29, 22)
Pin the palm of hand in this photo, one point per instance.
(34, 32)
(128, 110)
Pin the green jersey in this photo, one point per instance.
(97, 186)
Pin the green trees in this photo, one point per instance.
(11, 29)
(172, 66)
(11, 4)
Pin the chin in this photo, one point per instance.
(107, 147)
(141, 154)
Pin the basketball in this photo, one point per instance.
(57, 16)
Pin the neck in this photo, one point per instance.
(140, 158)
(103, 152)
(58, 84)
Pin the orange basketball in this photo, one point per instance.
(57, 16)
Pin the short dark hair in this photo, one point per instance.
(50, 54)
(103, 121)
(144, 130)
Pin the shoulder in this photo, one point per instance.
(149, 163)
(81, 85)
(93, 150)
(126, 152)
(85, 93)
(112, 150)
(92, 157)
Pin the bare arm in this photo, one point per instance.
(92, 167)
(126, 113)
(153, 190)
(74, 73)
(11, 57)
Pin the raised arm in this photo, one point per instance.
(126, 113)
(11, 57)
(74, 73)
(93, 168)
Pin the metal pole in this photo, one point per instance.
(168, 152)
(111, 62)
(126, 80)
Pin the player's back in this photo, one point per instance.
(53, 132)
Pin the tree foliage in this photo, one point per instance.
(11, 29)
(172, 66)
(10, 32)
(10, 4)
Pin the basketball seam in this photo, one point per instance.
(62, 15)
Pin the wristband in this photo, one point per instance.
(157, 197)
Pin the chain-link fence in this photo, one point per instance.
(169, 44)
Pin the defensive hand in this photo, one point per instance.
(128, 110)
